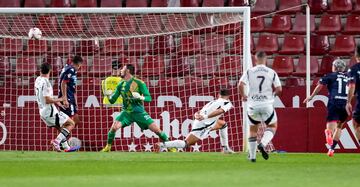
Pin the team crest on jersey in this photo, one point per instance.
(259, 97)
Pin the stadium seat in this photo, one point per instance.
(193, 82)
(86, 3)
(213, 3)
(264, 6)
(293, 82)
(344, 45)
(11, 46)
(60, 47)
(137, 3)
(48, 24)
(213, 44)
(237, 3)
(237, 46)
(163, 44)
(22, 24)
(257, 24)
(60, 3)
(179, 66)
(205, 65)
(101, 66)
(189, 45)
(88, 47)
(172, 81)
(283, 65)
(280, 24)
(299, 26)
(319, 44)
(203, 21)
(138, 46)
(159, 3)
(12, 3)
(5, 25)
(219, 81)
(125, 24)
(293, 44)
(340, 6)
(25, 66)
(123, 60)
(36, 47)
(230, 66)
(352, 25)
(113, 46)
(4, 65)
(176, 22)
(300, 69)
(34, 3)
(111, 3)
(154, 20)
(189, 3)
(317, 6)
(72, 24)
(231, 28)
(99, 24)
(329, 24)
(326, 65)
(268, 43)
(153, 66)
(356, 6)
(292, 6)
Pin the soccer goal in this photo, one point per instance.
(184, 55)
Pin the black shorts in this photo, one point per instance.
(336, 112)
(70, 111)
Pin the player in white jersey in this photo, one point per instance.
(263, 85)
(49, 113)
(206, 120)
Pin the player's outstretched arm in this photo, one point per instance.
(315, 92)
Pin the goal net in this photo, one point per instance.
(183, 55)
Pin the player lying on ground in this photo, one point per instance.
(134, 93)
(260, 81)
(49, 112)
(206, 120)
(336, 83)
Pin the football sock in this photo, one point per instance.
(64, 133)
(175, 144)
(163, 136)
(267, 137)
(111, 136)
(65, 144)
(224, 136)
(334, 144)
(252, 147)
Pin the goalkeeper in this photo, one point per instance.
(109, 84)
(134, 93)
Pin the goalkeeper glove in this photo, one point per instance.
(108, 92)
(136, 95)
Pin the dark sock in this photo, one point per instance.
(334, 144)
(111, 136)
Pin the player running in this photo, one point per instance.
(206, 120)
(336, 83)
(260, 81)
(49, 112)
(134, 93)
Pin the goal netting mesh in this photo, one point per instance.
(184, 58)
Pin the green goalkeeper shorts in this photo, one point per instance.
(143, 119)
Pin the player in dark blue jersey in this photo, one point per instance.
(354, 89)
(336, 83)
(67, 88)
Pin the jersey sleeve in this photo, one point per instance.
(227, 106)
(245, 78)
(351, 75)
(324, 80)
(276, 80)
(45, 89)
(144, 91)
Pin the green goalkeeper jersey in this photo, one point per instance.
(125, 89)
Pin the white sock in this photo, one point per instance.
(65, 145)
(252, 147)
(175, 144)
(224, 136)
(267, 137)
(63, 135)
(60, 137)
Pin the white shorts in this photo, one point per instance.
(201, 130)
(58, 119)
(266, 114)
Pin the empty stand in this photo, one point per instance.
(60, 3)
(290, 6)
(352, 25)
(137, 3)
(25, 66)
(153, 66)
(99, 24)
(268, 43)
(329, 24)
(293, 44)
(213, 44)
(176, 22)
(88, 47)
(113, 46)
(264, 6)
(189, 45)
(257, 24)
(205, 65)
(34, 3)
(102, 66)
(299, 26)
(125, 24)
(60, 47)
(36, 47)
(159, 3)
(317, 6)
(280, 24)
(344, 45)
(213, 3)
(11, 46)
(138, 46)
(230, 66)
(189, 3)
(47, 24)
(163, 44)
(283, 65)
(22, 24)
(179, 66)
(86, 3)
(300, 69)
(326, 65)
(319, 44)
(111, 3)
(340, 6)
(7, 3)
(72, 24)
(150, 24)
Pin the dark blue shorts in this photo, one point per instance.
(71, 110)
(336, 112)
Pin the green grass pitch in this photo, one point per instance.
(42, 169)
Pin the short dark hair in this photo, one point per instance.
(224, 92)
(357, 52)
(115, 65)
(77, 59)
(45, 68)
(260, 54)
(131, 68)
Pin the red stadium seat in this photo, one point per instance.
(176, 22)
(26, 66)
(4, 65)
(113, 46)
(36, 47)
(159, 3)
(189, 3)
(329, 24)
(356, 6)
(47, 24)
(344, 45)
(293, 44)
(230, 66)
(193, 82)
(179, 66)
(283, 65)
(99, 24)
(86, 3)
(12, 3)
(294, 82)
(237, 3)
(280, 24)
(72, 24)
(299, 26)
(137, 3)
(319, 44)
(10, 46)
(156, 25)
(60, 3)
(153, 66)
(22, 24)
(205, 22)
(213, 3)
(317, 6)
(213, 44)
(290, 6)
(231, 28)
(205, 65)
(300, 69)
(34, 3)
(264, 6)
(163, 44)
(5, 25)
(125, 24)
(237, 45)
(189, 45)
(257, 24)
(340, 6)
(101, 66)
(219, 81)
(123, 60)
(60, 47)
(88, 47)
(268, 43)
(138, 46)
(326, 65)
(172, 81)
(111, 3)
(352, 25)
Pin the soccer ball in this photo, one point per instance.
(73, 141)
(35, 33)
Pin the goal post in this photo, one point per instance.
(184, 55)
